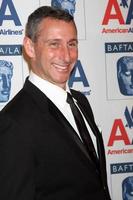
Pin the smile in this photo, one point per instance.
(61, 67)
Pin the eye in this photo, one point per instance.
(54, 44)
(73, 44)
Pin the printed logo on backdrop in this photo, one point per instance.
(78, 79)
(11, 72)
(119, 70)
(6, 73)
(127, 188)
(75, 8)
(68, 5)
(122, 176)
(121, 134)
(11, 61)
(125, 75)
(118, 16)
(10, 23)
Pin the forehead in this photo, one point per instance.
(49, 24)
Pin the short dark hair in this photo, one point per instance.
(39, 14)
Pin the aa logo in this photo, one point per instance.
(129, 117)
(119, 132)
(7, 6)
(114, 12)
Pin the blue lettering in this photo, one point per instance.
(130, 13)
(129, 117)
(13, 16)
(82, 78)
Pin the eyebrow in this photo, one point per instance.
(58, 40)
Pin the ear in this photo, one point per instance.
(29, 47)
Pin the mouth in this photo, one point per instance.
(61, 67)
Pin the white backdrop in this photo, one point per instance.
(105, 31)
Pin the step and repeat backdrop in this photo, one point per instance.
(103, 72)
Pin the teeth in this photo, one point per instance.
(61, 67)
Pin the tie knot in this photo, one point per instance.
(69, 98)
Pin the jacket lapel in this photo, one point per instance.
(71, 133)
(100, 145)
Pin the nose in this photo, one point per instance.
(65, 52)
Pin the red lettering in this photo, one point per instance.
(109, 15)
(118, 133)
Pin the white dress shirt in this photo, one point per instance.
(58, 96)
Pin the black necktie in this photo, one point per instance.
(83, 131)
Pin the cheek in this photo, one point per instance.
(74, 54)
(48, 55)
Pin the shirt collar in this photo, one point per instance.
(55, 93)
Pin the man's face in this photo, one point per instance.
(55, 52)
(5, 83)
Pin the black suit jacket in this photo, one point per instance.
(41, 156)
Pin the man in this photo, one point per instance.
(42, 155)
